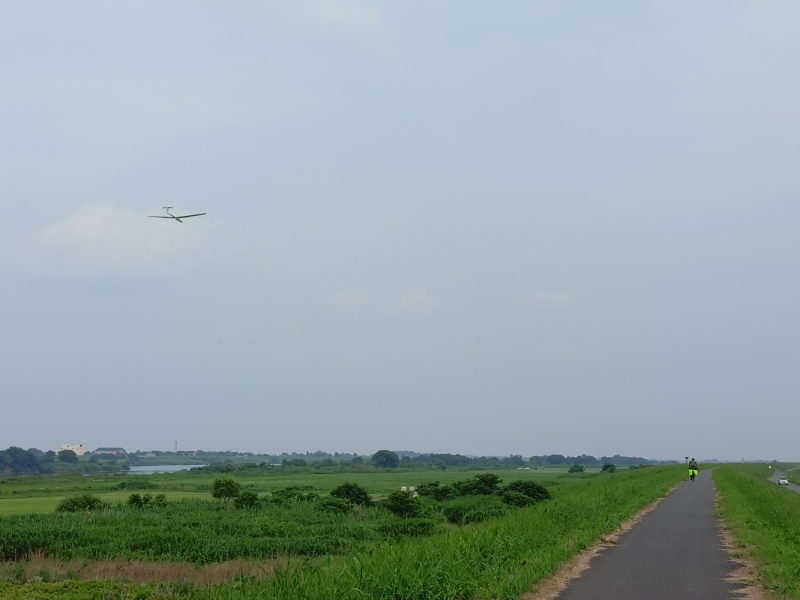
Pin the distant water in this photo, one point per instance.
(161, 469)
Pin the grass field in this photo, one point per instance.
(765, 519)
(21, 495)
(503, 557)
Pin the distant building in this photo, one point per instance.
(79, 449)
(110, 451)
(147, 455)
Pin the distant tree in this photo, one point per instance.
(357, 460)
(576, 469)
(49, 456)
(385, 459)
(17, 461)
(352, 492)
(67, 456)
(555, 459)
(225, 488)
(436, 490)
(609, 467)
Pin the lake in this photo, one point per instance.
(161, 469)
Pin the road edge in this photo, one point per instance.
(552, 587)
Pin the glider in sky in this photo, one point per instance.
(169, 215)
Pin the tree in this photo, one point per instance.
(50, 456)
(352, 492)
(225, 488)
(576, 469)
(609, 468)
(67, 456)
(18, 461)
(385, 459)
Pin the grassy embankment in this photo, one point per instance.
(504, 557)
(765, 519)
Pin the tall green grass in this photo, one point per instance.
(201, 532)
(502, 558)
(764, 518)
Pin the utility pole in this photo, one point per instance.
(176, 447)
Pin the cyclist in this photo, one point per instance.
(692, 469)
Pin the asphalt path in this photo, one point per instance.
(792, 486)
(674, 553)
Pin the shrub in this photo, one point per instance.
(294, 494)
(462, 511)
(531, 489)
(484, 484)
(517, 498)
(352, 492)
(246, 499)
(160, 500)
(79, 503)
(436, 490)
(335, 505)
(609, 467)
(403, 504)
(576, 469)
(225, 488)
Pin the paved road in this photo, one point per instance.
(792, 486)
(675, 553)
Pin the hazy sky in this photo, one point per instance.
(474, 227)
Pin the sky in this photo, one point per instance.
(468, 227)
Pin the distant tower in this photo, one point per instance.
(176, 447)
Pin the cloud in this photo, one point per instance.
(560, 301)
(106, 240)
(347, 22)
(352, 300)
(414, 302)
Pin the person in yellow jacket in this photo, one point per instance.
(692, 469)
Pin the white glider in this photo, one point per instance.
(169, 215)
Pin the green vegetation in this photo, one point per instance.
(410, 551)
(764, 518)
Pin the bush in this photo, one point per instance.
(484, 484)
(403, 504)
(246, 499)
(79, 503)
(294, 494)
(462, 511)
(436, 490)
(531, 489)
(225, 488)
(576, 469)
(352, 492)
(609, 467)
(517, 499)
(335, 505)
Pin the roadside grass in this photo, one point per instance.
(765, 519)
(502, 558)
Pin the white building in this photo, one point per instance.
(79, 449)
